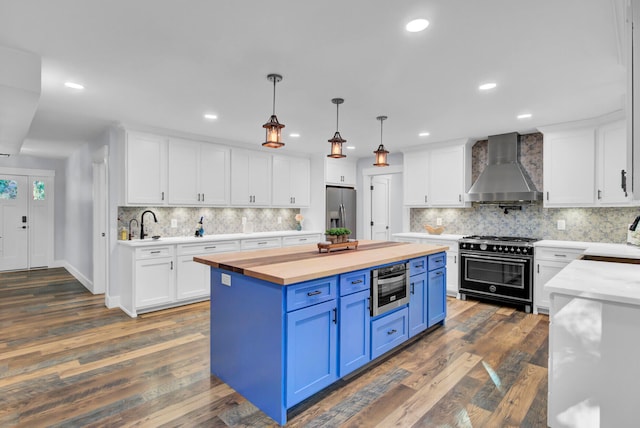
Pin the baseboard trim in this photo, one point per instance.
(88, 284)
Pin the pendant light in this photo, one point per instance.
(336, 141)
(273, 128)
(381, 153)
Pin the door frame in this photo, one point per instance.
(29, 172)
(100, 280)
(366, 196)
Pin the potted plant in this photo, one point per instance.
(332, 235)
(337, 234)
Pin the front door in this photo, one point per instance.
(14, 193)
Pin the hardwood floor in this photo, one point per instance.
(66, 360)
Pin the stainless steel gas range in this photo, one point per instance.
(497, 268)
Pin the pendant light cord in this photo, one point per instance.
(381, 121)
(337, 107)
(274, 96)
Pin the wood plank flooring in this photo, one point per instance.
(67, 361)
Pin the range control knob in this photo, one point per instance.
(499, 248)
(517, 250)
(483, 247)
(512, 249)
(495, 248)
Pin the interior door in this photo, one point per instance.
(380, 208)
(14, 193)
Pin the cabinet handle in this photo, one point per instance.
(210, 248)
(203, 197)
(357, 281)
(599, 194)
(455, 259)
(302, 239)
(623, 182)
(560, 255)
(369, 303)
(412, 290)
(263, 243)
(425, 199)
(538, 268)
(459, 197)
(547, 196)
(313, 293)
(172, 265)
(198, 197)
(335, 315)
(439, 273)
(155, 252)
(163, 196)
(392, 331)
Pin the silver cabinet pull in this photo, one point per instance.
(392, 331)
(357, 281)
(313, 293)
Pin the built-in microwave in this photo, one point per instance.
(389, 288)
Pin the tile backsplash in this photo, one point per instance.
(582, 224)
(216, 220)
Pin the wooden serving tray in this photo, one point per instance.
(336, 246)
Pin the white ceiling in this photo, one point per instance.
(162, 64)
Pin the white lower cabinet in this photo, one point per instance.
(193, 278)
(260, 243)
(154, 277)
(288, 241)
(548, 262)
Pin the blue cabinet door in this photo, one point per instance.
(437, 296)
(355, 332)
(311, 350)
(417, 304)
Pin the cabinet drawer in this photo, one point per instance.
(311, 292)
(255, 244)
(418, 266)
(208, 247)
(389, 331)
(300, 240)
(559, 254)
(355, 281)
(154, 252)
(437, 261)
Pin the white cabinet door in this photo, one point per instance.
(569, 168)
(446, 177)
(154, 281)
(214, 174)
(452, 271)
(340, 171)
(612, 154)
(545, 270)
(250, 178)
(184, 158)
(192, 279)
(146, 169)
(416, 179)
(291, 178)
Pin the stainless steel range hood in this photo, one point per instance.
(504, 179)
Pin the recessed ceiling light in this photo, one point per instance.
(423, 134)
(294, 135)
(210, 116)
(524, 116)
(351, 147)
(73, 85)
(487, 86)
(417, 25)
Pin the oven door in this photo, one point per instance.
(495, 275)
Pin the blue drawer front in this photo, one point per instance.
(437, 261)
(417, 266)
(355, 281)
(389, 331)
(311, 292)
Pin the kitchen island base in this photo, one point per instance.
(278, 345)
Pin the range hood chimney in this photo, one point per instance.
(504, 179)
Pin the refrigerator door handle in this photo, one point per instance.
(342, 216)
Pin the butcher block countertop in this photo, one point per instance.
(291, 265)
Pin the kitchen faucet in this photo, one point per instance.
(137, 224)
(142, 234)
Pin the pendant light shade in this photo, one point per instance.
(337, 140)
(381, 153)
(273, 138)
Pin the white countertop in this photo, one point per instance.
(607, 281)
(213, 238)
(444, 236)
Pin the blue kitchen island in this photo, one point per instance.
(288, 322)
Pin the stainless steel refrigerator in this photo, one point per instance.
(341, 208)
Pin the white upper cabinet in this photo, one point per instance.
(290, 184)
(614, 178)
(340, 171)
(146, 169)
(199, 173)
(250, 178)
(586, 165)
(569, 168)
(438, 176)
